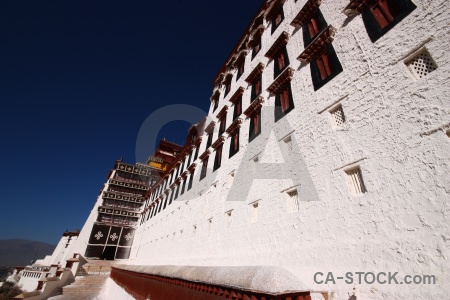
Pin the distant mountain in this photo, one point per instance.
(18, 252)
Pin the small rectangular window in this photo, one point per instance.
(237, 108)
(189, 159)
(234, 143)
(288, 142)
(209, 141)
(385, 11)
(293, 203)
(337, 116)
(312, 29)
(191, 179)
(325, 67)
(382, 15)
(218, 158)
(216, 104)
(228, 84)
(196, 153)
(281, 61)
(240, 67)
(223, 121)
(177, 189)
(277, 19)
(254, 208)
(421, 64)
(255, 125)
(256, 46)
(256, 87)
(355, 181)
(183, 186)
(204, 168)
(284, 102)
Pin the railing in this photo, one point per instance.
(123, 208)
(130, 180)
(123, 196)
(130, 185)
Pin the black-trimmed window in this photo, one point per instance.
(150, 212)
(171, 197)
(218, 158)
(227, 85)
(281, 61)
(255, 125)
(191, 179)
(160, 206)
(240, 64)
(313, 27)
(216, 104)
(204, 168)
(189, 160)
(256, 87)
(176, 193)
(325, 67)
(234, 143)
(277, 19)
(256, 47)
(196, 153)
(182, 166)
(222, 124)
(209, 140)
(183, 187)
(383, 15)
(237, 108)
(168, 198)
(284, 102)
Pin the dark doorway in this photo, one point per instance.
(109, 253)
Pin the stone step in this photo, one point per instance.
(85, 287)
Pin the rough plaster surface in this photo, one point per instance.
(400, 225)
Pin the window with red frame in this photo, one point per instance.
(218, 158)
(384, 15)
(281, 61)
(240, 66)
(209, 140)
(256, 87)
(191, 179)
(183, 187)
(256, 46)
(234, 143)
(255, 125)
(315, 26)
(204, 168)
(222, 124)
(283, 102)
(277, 19)
(237, 108)
(228, 85)
(325, 67)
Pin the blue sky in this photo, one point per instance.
(77, 80)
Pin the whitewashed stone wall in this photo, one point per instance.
(399, 225)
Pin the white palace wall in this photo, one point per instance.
(399, 225)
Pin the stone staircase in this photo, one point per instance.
(89, 281)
